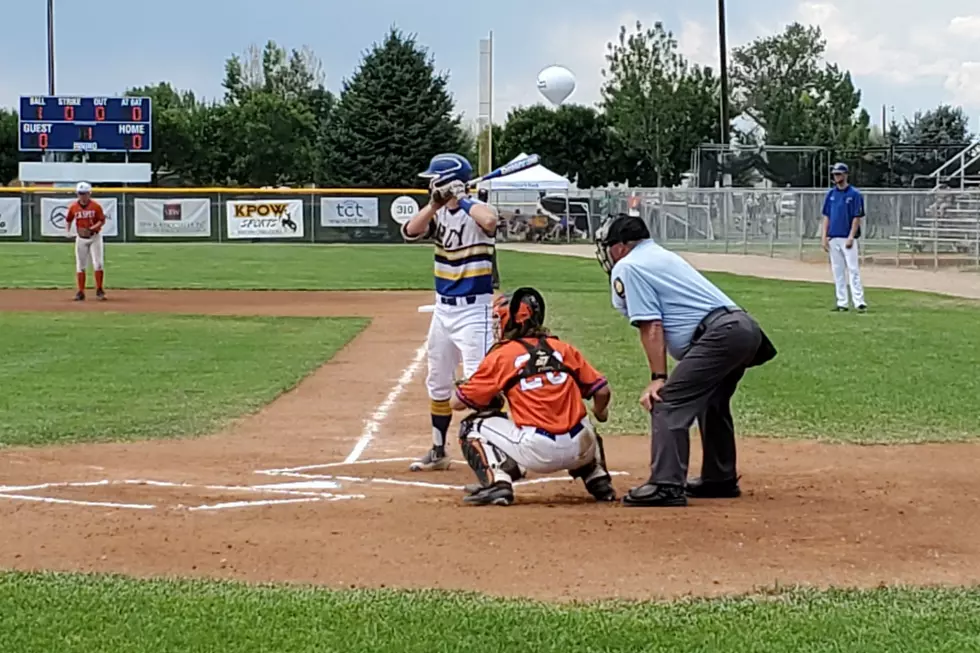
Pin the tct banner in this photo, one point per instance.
(265, 219)
(10, 217)
(172, 218)
(55, 209)
(349, 212)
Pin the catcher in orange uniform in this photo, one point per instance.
(89, 219)
(545, 382)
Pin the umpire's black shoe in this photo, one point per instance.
(651, 495)
(701, 489)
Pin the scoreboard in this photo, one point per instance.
(85, 124)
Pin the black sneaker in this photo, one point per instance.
(100, 295)
(79, 296)
(839, 309)
(862, 309)
(651, 495)
(700, 489)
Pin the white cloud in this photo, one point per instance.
(903, 44)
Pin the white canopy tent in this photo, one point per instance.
(534, 178)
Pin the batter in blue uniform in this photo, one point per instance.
(677, 311)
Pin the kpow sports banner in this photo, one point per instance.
(271, 218)
(172, 218)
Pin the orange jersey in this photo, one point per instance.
(551, 401)
(89, 216)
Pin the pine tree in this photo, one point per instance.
(394, 114)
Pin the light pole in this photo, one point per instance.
(50, 47)
(723, 64)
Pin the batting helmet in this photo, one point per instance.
(444, 168)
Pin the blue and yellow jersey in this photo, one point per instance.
(464, 255)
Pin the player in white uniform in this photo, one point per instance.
(461, 330)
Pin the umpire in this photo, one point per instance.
(678, 311)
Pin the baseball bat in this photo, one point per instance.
(508, 169)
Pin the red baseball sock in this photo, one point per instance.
(99, 275)
(80, 280)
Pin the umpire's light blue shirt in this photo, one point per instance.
(841, 208)
(652, 283)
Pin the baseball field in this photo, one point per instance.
(215, 459)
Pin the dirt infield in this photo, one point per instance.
(307, 490)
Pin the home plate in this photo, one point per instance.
(300, 485)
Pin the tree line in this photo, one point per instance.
(277, 124)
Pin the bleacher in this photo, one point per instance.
(950, 220)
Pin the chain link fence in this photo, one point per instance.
(908, 228)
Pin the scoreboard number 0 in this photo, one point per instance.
(42, 141)
(136, 142)
(100, 113)
(137, 115)
(69, 113)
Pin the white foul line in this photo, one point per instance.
(373, 423)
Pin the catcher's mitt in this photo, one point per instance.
(84, 232)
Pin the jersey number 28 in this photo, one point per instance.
(535, 382)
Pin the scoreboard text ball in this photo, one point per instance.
(85, 124)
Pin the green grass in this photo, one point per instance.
(905, 372)
(77, 614)
(99, 377)
(266, 267)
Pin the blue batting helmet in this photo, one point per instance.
(839, 168)
(444, 168)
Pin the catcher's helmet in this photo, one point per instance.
(444, 168)
(518, 313)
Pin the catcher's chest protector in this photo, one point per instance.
(542, 360)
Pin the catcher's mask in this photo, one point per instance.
(617, 230)
(518, 313)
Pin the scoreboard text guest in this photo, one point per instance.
(88, 124)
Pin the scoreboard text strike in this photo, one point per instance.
(85, 124)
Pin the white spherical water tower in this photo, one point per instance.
(556, 83)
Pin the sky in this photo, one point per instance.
(905, 55)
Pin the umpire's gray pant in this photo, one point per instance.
(700, 388)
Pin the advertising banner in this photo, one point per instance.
(10, 217)
(404, 208)
(55, 209)
(172, 218)
(349, 212)
(271, 218)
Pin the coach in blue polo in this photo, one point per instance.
(677, 311)
(840, 231)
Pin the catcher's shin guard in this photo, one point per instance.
(488, 463)
(595, 475)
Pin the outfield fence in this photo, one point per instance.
(922, 228)
(217, 214)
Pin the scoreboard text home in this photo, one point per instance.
(85, 124)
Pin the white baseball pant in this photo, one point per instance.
(457, 334)
(534, 450)
(89, 250)
(844, 261)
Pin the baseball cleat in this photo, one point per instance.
(700, 489)
(651, 495)
(862, 309)
(431, 462)
(601, 489)
(839, 309)
(79, 296)
(100, 295)
(472, 488)
(498, 494)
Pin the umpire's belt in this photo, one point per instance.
(710, 319)
(572, 432)
(457, 301)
